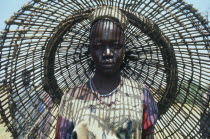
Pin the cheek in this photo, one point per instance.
(95, 56)
(120, 55)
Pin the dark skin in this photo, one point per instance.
(107, 51)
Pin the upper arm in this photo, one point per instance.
(150, 111)
(64, 126)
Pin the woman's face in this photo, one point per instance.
(107, 46)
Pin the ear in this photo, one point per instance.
(124, 49)
(88, 47)
(87, 53)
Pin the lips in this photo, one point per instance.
(108, 60)
(107, 65)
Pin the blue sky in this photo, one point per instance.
(8, 7)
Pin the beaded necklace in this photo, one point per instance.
(99, 97)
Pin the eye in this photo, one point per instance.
(117, 46)
(97, 46)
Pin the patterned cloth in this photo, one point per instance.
(150, 111)
(134, 111)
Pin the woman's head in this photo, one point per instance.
(107, 39)
(107, 45)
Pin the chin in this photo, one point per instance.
(108, 71)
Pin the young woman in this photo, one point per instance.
(108, 106)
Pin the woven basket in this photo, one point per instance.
(44, 51)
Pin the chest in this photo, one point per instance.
(121, 118)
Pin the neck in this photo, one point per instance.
(106, 83)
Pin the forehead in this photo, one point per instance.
(106, 30)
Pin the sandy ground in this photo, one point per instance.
(3, 133)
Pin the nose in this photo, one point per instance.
(108, 52)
